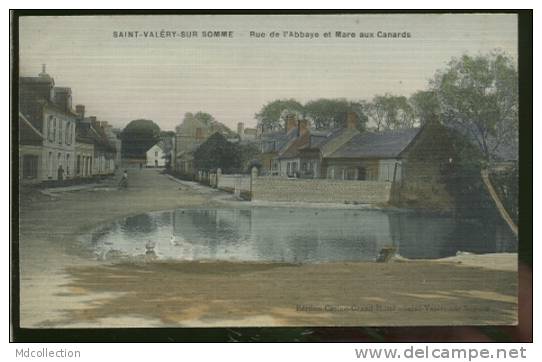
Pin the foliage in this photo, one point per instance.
(463, 181)
(390, 112)
(167, 134)
(271, 116)
(425, 105)
(247, 154)
(507, 187)
(138, 136)
(331, 113)
(323, 112)
(209, 121)
(217, 152)
(478, 95)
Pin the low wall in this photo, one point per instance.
(234, 182)
(320, 190)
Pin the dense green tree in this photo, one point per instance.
(271, 116)
(331, 113)
(138, 136)
(165, 134)
(425, 105)
(390, 112)
(217, 152)
(247, 154)
(478, 95)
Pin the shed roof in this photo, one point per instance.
(387, 144)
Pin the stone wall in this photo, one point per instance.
(320, 190)
(234, 182)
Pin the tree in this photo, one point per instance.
(478, 95)
(390, 112)
(217, 152)
(425, 105)
(271, 116)
(138, 136)
(331, 113)
(167, 134)
(208, 120)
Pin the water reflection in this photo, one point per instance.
(300, 235)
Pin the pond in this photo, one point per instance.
(295, 235)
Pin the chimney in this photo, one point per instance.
(303, 126)
(241, 129)
(63, 98)
(43, 73)
(351, 120)
(80, 110)
(199, 134)
(290, 122)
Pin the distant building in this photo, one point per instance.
(189, 135)
(246, 133)
(156, 156)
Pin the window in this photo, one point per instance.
(156, 153)
(54, 130)
(50, 165)
(50, 134)
(350, 174)
(362, 173)
(60, 126)
(67, 136)
(30, 167)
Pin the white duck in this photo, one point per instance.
(173, 241)
(149, 246)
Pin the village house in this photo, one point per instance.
(274, 143)
(321, 144)
(84, 145)
(156, 156)
(96, 154)
(189, 135)
(413, 159)
(48, 124)
(113, 136)
(299, 150)
(104, 151)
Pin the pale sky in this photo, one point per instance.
(122, 79)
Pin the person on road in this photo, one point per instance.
(124, 180)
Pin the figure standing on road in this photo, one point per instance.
(124, 180)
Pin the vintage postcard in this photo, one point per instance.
(267, 170)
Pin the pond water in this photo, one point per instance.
(295, 235)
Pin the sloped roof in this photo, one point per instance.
(387, 144)
(292, 150)
(277, 141)
(83, 134)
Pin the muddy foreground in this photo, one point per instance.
(64, 286)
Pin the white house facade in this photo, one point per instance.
(156, 156)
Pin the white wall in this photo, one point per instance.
(155, 157)
(386, 169)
